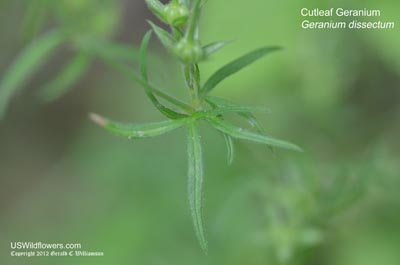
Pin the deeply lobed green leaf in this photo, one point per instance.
(240, 133)
(248, 116)
(195, 182)
(233, 67)
(137, 131)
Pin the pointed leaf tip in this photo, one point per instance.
(212, 48)
(137, 130)
(165, 38)
(98, 119)
(239, 133)
(229, 148)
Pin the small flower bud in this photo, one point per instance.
(176, 14)
(189, 51)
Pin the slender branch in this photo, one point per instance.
(192, 71)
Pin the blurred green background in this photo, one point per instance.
(335, 93)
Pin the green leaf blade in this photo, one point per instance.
(143, 55)
(26, 64)
(195, 183)
(248, 116)
(239, 133)
(137, 131)
(234, 67)
(212, 48)
(165, 38)
(229, 148)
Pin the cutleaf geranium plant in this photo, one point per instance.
(183, 43)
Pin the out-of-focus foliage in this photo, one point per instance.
(77, 16)
(333, 92)
(83, 29)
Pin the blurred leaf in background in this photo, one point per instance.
(79, 27)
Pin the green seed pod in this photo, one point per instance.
(176, 14)
(189, 52)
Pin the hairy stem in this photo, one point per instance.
(193, 22)
(192, 71)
